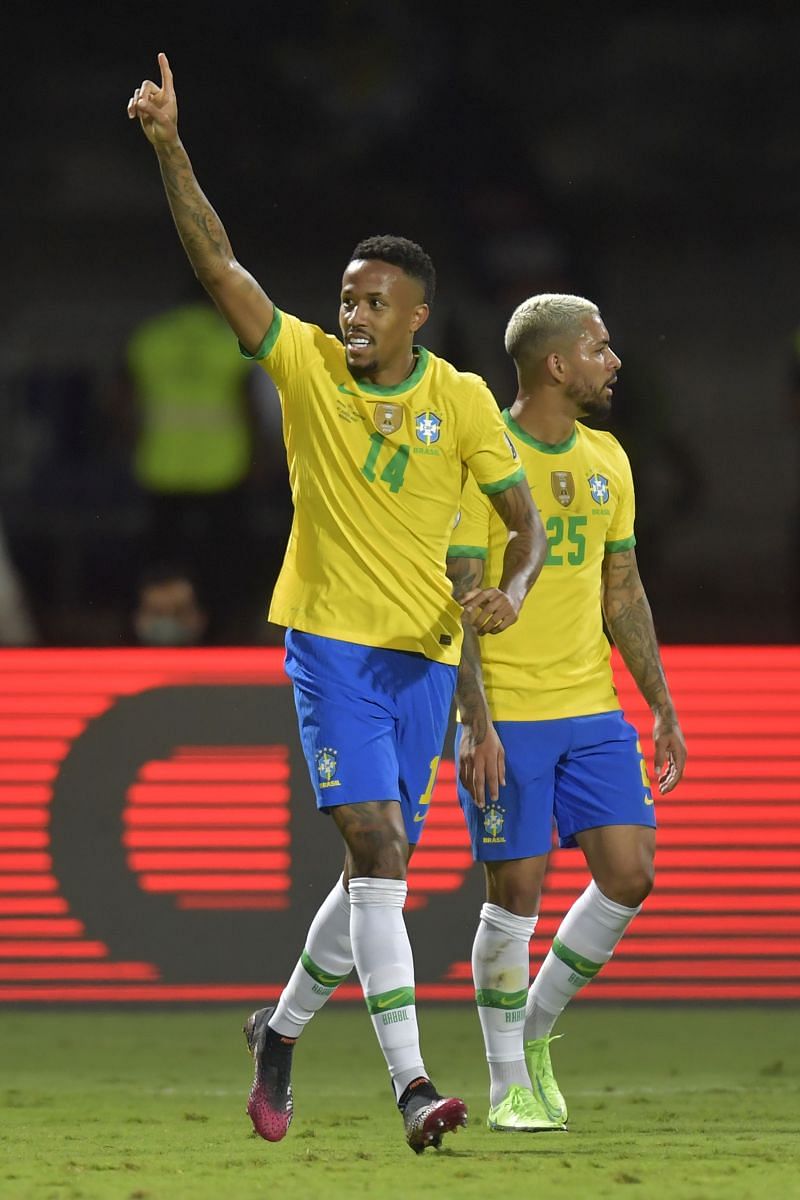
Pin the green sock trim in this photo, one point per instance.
(581, 966)
(488, 998)
(385, 1001)
(324, 978)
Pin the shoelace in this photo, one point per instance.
(543, 1056)
(520, 1100)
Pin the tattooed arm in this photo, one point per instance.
(630, 624)
(491, 610)
(240, 299)
(481, 759)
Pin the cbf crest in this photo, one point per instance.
(598, 486)
(327, 767)
(494, 819)
(563, 486)
(387, 418)
(427, 427)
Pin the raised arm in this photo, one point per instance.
(481, 759)
(240, 299)
(630, 623)
(491, 610)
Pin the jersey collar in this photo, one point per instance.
(559, 448)
(397, 389)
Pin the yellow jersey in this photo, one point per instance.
(376, 475)
(555, 661)
(190, 388)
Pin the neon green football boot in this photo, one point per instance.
(545, 1088)
(521, 1112)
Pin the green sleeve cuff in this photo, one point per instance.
(270, 337)
(502, 485)
(617, 547)
(467, 552)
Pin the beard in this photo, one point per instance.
(596, 406)
(363, 371)
(590, 402)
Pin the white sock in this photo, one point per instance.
(500, 969)
(385, 967)
(326, 961)
(586, 939)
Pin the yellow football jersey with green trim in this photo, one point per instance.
(376, 475)
(555, 661)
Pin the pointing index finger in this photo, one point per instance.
(166, 71)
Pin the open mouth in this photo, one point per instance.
(357, 341)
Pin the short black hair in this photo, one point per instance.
(400, 252)
(160, 573)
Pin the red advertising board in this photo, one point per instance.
(158, 838)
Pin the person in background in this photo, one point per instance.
(168, 611)
(17, 627)
(193, 434)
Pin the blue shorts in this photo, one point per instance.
(372, 722)
(577, 772)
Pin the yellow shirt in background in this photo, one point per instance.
(190, 386)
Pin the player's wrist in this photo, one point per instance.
(515, 593)
(664, 713)
(166, 141)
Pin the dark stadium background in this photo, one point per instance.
(644, 155)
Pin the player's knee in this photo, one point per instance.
(632, 887)
(518, 892)
(384, 855)
(521, 900)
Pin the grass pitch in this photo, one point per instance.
(680, 1103)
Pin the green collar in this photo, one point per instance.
(411, 381)
(544, 447)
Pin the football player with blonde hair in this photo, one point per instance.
(542, 740)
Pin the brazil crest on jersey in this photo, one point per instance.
(555, 661)
(376, 476)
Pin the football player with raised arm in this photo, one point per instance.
(379, 435)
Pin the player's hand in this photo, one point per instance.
(482, 764)
(488, 610)
(156, 107)
(670, 756)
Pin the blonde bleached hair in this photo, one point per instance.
(544, 319)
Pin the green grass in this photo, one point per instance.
(681, 1103)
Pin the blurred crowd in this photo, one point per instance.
(645, 159)
(166, 498)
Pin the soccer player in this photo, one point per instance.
(542, 737)
(379, 436)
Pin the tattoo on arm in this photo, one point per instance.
(630, 623)
(466, 574)
(199, 228)
(470, 694)
(527, 545)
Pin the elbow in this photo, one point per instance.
(216, 276)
